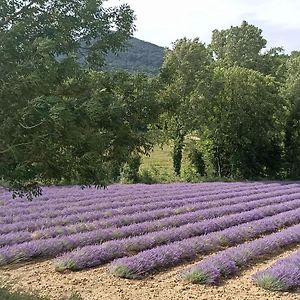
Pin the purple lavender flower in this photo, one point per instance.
(177, 252)
(283, 275)
(231, 260)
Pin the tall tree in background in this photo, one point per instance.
(274, 63)
(58, 120)
(239, 46)
(185, 85)
(245, 124)
(291, 91)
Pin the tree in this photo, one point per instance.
(245, 124)
(60, 121)
(185, 80)
(239, 46)
(274, 63)
(291, 91)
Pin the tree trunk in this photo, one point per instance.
(177, 154)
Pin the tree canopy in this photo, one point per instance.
(239, 45)
(60, 120)
(246, 122)
(185, 86)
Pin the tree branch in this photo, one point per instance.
(10, 148)
(16, 14)
(31, 127)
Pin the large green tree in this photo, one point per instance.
(58, 119)
(185, 86)
(239, 46)
(245, 46)
(291, 91)
(246, 123)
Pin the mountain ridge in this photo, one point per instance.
(138, 56)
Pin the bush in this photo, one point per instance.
(157, 175)
(196, 159)
(130, 170)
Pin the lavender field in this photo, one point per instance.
(139, 229)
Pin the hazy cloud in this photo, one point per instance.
(163, 21)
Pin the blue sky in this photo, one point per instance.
(163, 21)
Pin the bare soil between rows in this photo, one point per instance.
(99, 284)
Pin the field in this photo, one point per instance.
(162, 241)
(160, 165)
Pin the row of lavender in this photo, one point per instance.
(60, 195)
(284, 275)
(110, 201)
(180, 204)
(111, 207)
(173, 254)
(228, 262)
(167, 217)
(54, 246)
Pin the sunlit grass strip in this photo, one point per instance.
(283, 275)
(175, 253)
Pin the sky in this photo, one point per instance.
(162, 22)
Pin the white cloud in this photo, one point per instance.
(164, 21)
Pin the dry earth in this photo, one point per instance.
(98, 284)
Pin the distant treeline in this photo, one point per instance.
(240, 101)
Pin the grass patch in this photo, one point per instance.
(6, 294)
(158, 167)
(271, 283)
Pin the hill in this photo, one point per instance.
(140, 56)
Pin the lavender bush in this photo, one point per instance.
(283, 275)
(175, 253)
(229, 262)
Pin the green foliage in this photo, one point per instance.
(291, 91)
(239, 46)
(62, 121)
(130, 170)
(274, 63)
(246, 122)
(196, 158)
(177, 153)
(85, 132)
(31, 30)
(5, 294)
(271, 283)
(185, 86)
(65, 119)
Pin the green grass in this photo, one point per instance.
(161, 159)
(6, 294)
(158, 167)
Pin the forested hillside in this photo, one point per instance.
(140, 56)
